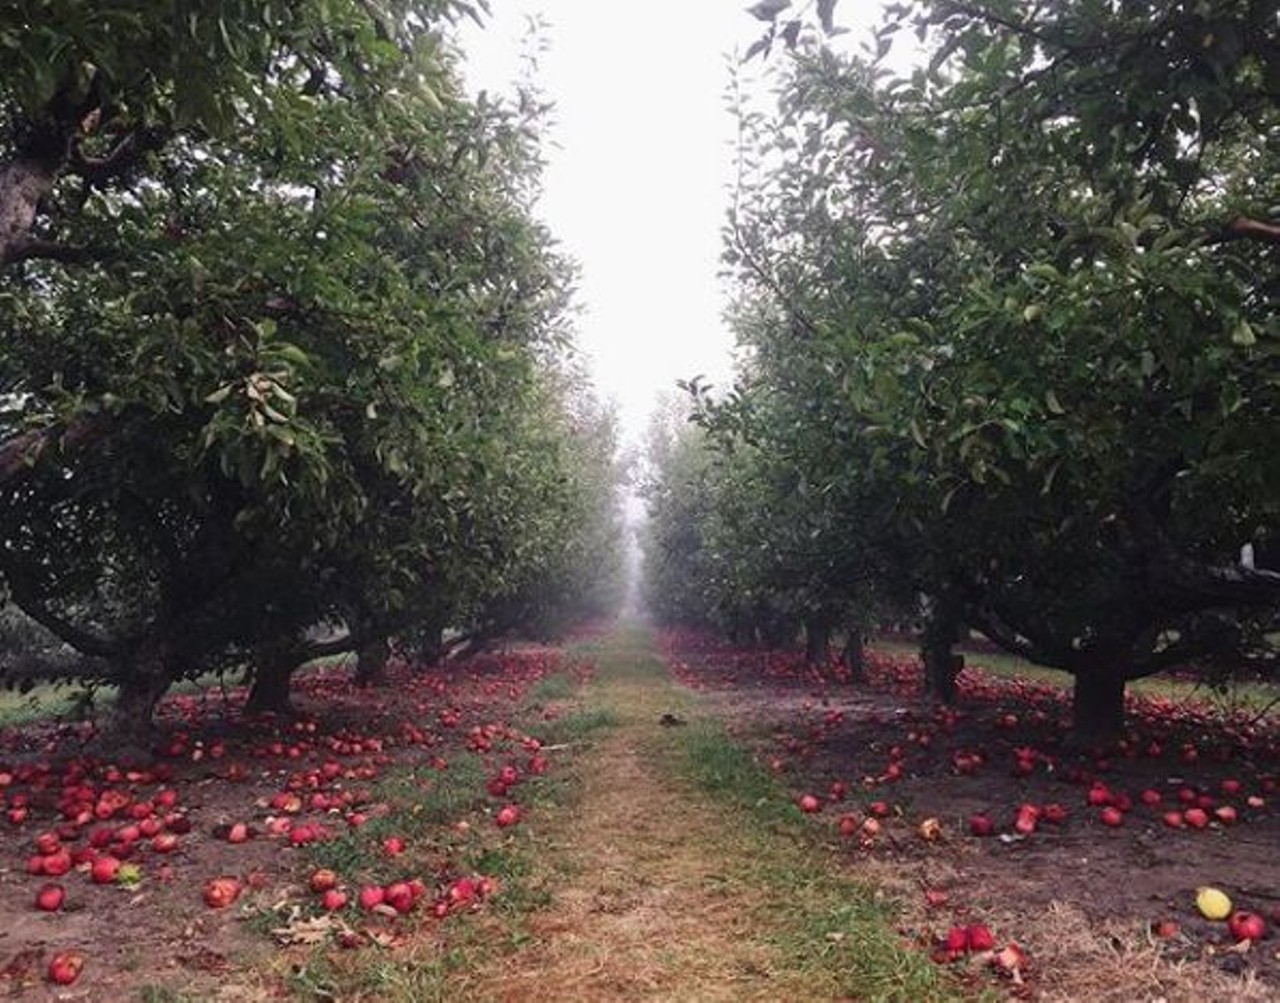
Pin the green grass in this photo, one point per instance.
(557, 686)
(824, 921)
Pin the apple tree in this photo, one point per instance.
(1029, 301)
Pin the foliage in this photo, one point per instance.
(1011, 323)
(285, 354)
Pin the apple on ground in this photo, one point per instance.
(65, 967)
(50, 897)
(221, 891)
(1246, 925)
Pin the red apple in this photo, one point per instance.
(848, 825)
(508, 815)
(981, 825)
(1112, 816)
(334, 899)
(65, 967)
(104, 870)
(399, 895)
(1197, 818)
(221, 891)
(980, 938)
(371, 896)
(323, 880)
(957, 940)
(1247, 926)
(164, 842)
(1226, 814)
(50, 897)
(57, 864)
(1174, 819)
(394, 845)
(810, 804)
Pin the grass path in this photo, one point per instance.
(667, 891)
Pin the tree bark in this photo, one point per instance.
(24, 181)
(1098, 705)
(941, 665)
(143, 681)
(817, 637)
(371, 663)
(272, 677)
(854, 655)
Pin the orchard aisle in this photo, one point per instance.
(659, 902)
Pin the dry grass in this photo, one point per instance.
(675, 894)
(655, 911)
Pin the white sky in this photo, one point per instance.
(639, 172)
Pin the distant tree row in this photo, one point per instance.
(283, 349)
(1011, 353)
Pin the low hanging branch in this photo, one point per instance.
(1244, 228)
(20, 452)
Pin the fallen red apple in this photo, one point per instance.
(104, 870)
(323, 879)
(65, 967)
(980, 938)
(371, 896)
(399, 895)
(50, 897)
(165, 842)
(1112, 816)
(221, 891)
(334, 899)
(809, 804)
(981, 825)
(957, 940)
(508, 815)
(1197, 818)
(1247, 926)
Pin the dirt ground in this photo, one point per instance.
(224, 768)
(1081, 896)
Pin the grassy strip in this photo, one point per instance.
(839, 931)
(425, 967)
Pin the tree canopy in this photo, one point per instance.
(1011, 332)
(283, 342)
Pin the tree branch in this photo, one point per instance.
(84, 641)
(20, 452)
(1244, 228)
(32, 248)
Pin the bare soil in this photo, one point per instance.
(1080, 896)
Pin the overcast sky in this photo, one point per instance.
(638, 180)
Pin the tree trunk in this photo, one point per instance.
(23, 183)
(817, 636)
(1098, 706)
(941, 665)
(272, 676)
(143, 681)
(854, 655)
(371, 663)
(431, 648)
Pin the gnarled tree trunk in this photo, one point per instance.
(272, 676)
(1098, 705)
(144, 679)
